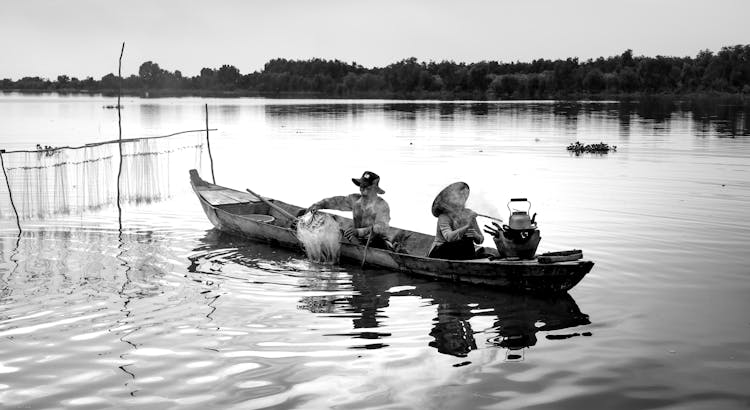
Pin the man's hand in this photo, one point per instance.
(356, 234)
(350, 234)
(363, 232)
(313, 208)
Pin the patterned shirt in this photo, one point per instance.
(375, 213)
(447, 227)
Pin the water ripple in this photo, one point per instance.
(168, 313)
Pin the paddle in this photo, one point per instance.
(272, 205)
(364, 256)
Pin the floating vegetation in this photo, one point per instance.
(600, 148)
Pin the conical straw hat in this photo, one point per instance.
(451, 197)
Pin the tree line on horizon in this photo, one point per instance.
(727, 71)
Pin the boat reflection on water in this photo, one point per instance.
(516, 320)
(507, 320)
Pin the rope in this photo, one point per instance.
(96, 144)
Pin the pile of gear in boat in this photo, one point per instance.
(457, 234)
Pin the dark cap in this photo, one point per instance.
(368, 178)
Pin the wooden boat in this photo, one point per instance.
(264, 219)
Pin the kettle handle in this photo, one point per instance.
(519, 200)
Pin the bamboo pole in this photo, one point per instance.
(10, 193)
(96, 144)
(119, 139)
(272, 205)
(208, 142)
(491, 217)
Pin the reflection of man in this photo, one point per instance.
(370, 299)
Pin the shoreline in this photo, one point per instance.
(740, 97)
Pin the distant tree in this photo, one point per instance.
(133, 82)
(89, 84)
(726, 71)
(404, 76)
(655, 73)
(565, 77)
(701, 63)
(110, 82)
(228, 76)
(626, 59)
(170, 81)
(349, 83)
(250, 81)
(63, 81)
(729, 69)
(594, 82)
(504, 86)
(208, 79)
(321, 83)
(453, 76)
(688, 78)
(540, 66)
(611, 83)
(535, 87)
(150, 74)
(628, 80)
(33, 83)
(739, 77)
(369, 82)
(479, 76)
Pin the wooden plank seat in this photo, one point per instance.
(218, 197)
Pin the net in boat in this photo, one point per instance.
(73, 180)
(320, 235)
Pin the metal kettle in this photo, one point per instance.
(519, 219)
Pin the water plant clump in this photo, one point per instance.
(600, 148)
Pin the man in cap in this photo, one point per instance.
(370, 212)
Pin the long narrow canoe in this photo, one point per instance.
(243, 214)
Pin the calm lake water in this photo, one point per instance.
(170, 313)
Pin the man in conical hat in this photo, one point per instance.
(370, 212)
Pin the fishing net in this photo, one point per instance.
(73, 180)
(320, 235)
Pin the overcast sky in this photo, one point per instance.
(83, 37)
